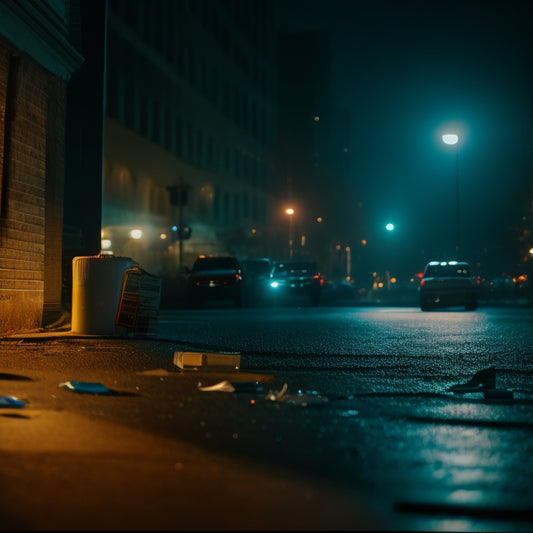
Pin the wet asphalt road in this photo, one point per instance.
(366, 435)
(390, 419)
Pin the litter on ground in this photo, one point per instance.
(11, 402)
(84, 387)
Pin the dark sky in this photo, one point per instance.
(405, 70)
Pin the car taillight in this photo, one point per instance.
(421, 282)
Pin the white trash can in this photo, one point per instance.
(96, 290)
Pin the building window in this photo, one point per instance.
(236, 206)
(178, 147)
(245, 201)
(156, 122)
(199, 149)
(203, 82)
(192, 67)
(180, 54)
(236, 106)
(245, 112)
(209, 154)
(214, 87)
(190, 143)
(245, 165)
(255, 208)
(237, 163)
(143, 114)
(168, 124)
(227, 160)
(216, 204)
(254, 172)
(226, 104)
(226, 206)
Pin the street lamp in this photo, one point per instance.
(290, 212)
(451, 139)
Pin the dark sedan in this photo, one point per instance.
(296, 279)
(215, 278)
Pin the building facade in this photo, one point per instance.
(190, 131)
(36, 62)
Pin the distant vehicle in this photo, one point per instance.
(257, 271)
(215, 278)
(448, 284)
(296, 278)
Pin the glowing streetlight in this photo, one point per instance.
(389, 227)
(451, 139)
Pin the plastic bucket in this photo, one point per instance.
(96, 290)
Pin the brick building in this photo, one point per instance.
(36, 63)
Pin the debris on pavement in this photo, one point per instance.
(300, 398)
(139, 302)
(84, 387)
(11, 402)
(208, 361)
(227, 386)
(275, 396)
(484, 379)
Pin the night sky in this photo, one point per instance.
(407, 70)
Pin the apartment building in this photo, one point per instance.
(190, 131)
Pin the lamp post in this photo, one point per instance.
(452, 139)
(290, 212)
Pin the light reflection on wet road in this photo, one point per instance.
(454, 462)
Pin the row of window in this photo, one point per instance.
(121, 188)
(163, 26)
(132, 99)
(197, 147)
(247, 110)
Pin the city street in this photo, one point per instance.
(343, 419)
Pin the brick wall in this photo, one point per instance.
(29, 192)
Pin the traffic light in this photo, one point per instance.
(182, 233)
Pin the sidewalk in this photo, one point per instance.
(139, 461)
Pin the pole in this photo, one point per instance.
(458, 214)
(180, 222)
(291, 237)
(348, 263)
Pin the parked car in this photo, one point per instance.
(448, 284)
(296, 278)
(215, 278)
(257, 273)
